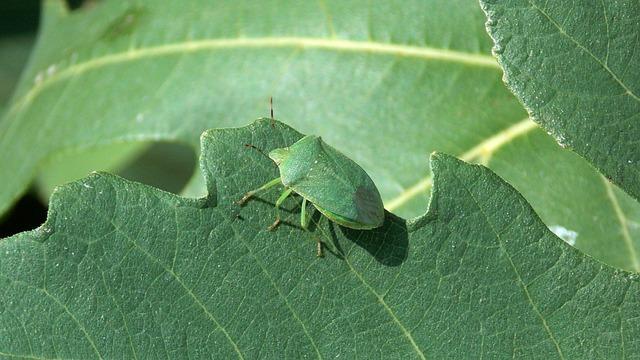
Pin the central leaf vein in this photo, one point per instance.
(419, 52)
(286, 302)
(406, 332)
(175, 276)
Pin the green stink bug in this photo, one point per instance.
(338, 187)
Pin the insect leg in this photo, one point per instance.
(304, 222)
(279, 202)
(264, 187)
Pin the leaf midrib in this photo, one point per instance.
(174, 275)
(380, 298)
(483, 149)
(64, 307)
(333, 44)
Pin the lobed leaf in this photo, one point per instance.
(574, 66)
(124, 270)
(385, 82)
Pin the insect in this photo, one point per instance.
(338, 187)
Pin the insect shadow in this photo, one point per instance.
(289, 210)
(388, 244)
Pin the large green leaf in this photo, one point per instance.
(14, 52)
(381, 81)
(359, 75)
(164, 165)
(578, 204)
(122, 270)
(575, 67)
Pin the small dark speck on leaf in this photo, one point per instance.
(124, 24)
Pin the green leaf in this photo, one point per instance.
(14, 52)
(381, 81)
(577, 203)
(124, 270)
(574, 66)
(140, 161)
(357, 74)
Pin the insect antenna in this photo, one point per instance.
(271, 108)
(260, 151)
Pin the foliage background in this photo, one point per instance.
(483, 271)
(18, 25)
(463, 110)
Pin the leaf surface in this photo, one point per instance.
(14, 52)
(574, 66)
(207, 65)
(380, 81)
(124, 270)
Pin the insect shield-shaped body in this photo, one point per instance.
(339, 188)
(333, 183)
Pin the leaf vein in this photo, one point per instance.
(192, 295)
(587, 51)
(485, 148)
(515, 270)
(409, 51)
(25, 356)
(286, 301)
(124, 319)
(622, 219)
(63, 307)
(407, 334)
(177, 278)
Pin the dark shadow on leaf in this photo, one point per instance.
(388, 244)
(315, 217)
(338, 252)
(291, 224)
(313, 221)
(284, 210)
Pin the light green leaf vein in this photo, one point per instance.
(123, 316)
(25, 356)
(284, 298)
(482, 150)
(179, 280)
(426, 53)
(587, 51)
(407, 334)
(515, 270)
(624, 224)
(66, 310)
